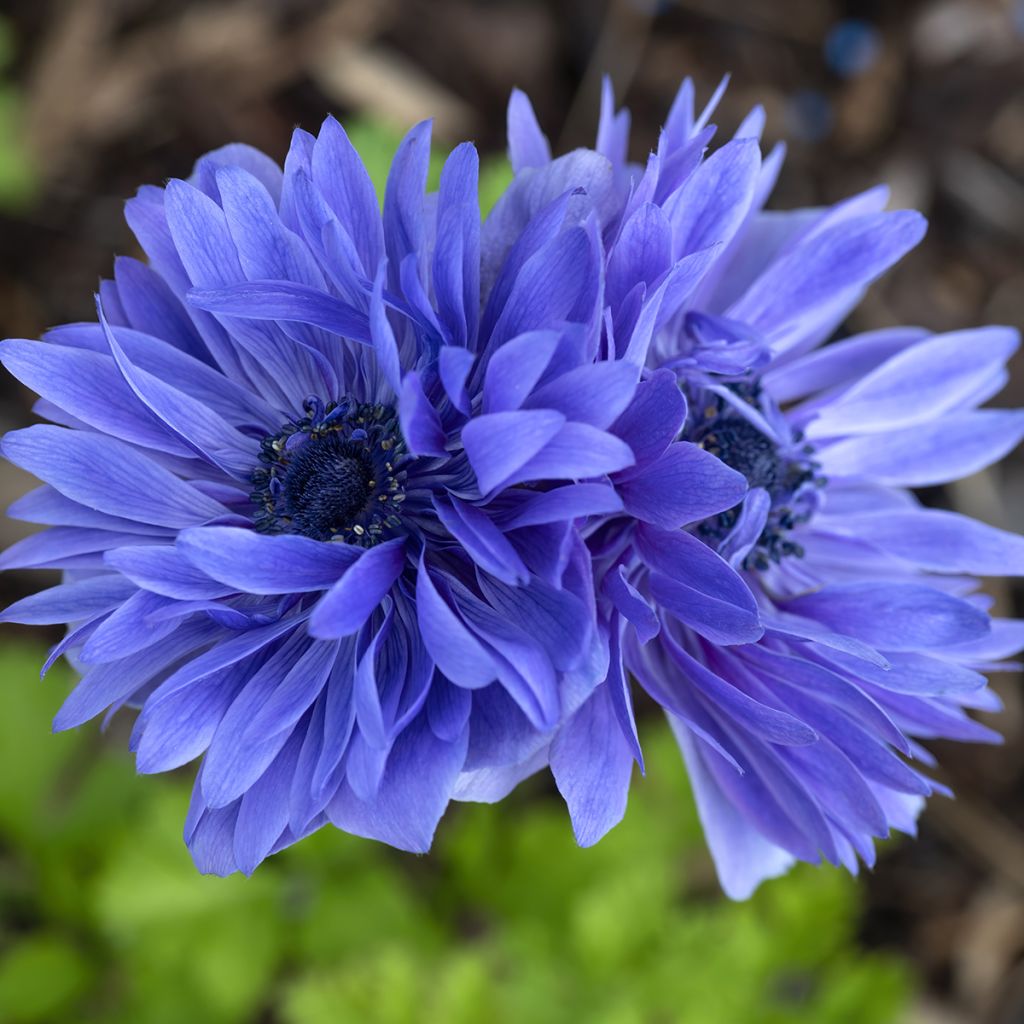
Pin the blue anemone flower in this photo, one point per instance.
(374, 510)
(315, 491)
(772, 581)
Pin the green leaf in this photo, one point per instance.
(29, 784)
(17, 176)
(42, 977)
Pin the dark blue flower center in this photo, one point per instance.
(739, 444)
(791, 476)
(335, 474)
(326, 486)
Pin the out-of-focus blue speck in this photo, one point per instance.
(1018, 17)
(851, 47)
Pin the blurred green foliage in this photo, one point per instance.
(17, 181)
(104, 918)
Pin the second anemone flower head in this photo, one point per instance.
(372, 509)
(805, 636)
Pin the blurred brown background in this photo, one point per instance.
(927, 95)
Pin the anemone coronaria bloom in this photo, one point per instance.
(315, 494)
(804, 640)
(375, 509)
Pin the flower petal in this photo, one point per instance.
(527, 144)
(926, 380)
(577, 452)
(404, 199)
(257, 563)
(342, 179)
(698, 587)
(515, 368)
(70, 602)
(683, 485)
(89, 387)
(421, 425)
(415, 789)
(743, 857)
(654, 417)
(592, 765)
(595, 393)
(263, 812)
(941, 541)
(482, 540)
(351, 601)
(893, 616)
(573, 501)
(201, 429)
(846, 255)
(284, 300)
(457, 652)
(713, 203)
(499, 444)
(945, 449)
(109, 476)
(456, 266)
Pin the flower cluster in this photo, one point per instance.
(372, 509)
